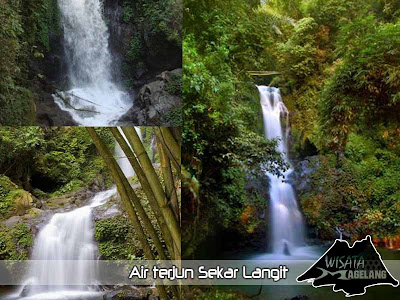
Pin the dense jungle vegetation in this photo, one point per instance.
(339, 75)
(40, 169)
(52, 161)
(24, 37)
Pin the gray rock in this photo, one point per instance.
(109, 210)
(153, 101)
(50, 114)
(302, 172)
(12, 221)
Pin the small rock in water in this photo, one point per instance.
(286, 249)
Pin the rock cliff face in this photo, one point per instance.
(146, 60)
(155, 100)
(303, 169)
(139, 49)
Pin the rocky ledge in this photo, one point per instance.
(156, 99)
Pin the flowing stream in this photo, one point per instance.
(287, 224)
(121, 158)
(67, 236)
(93, 98)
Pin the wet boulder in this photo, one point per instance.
(156, 99)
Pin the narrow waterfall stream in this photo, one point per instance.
(93, 98)
(67, 236)
(121, 158)
(287, 224)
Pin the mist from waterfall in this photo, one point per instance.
(67, 236)
(93, 98)
(286, 220)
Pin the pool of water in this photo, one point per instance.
(281, 292)
(13, 293)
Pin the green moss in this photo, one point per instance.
(39, 193)
(34, 212)
(9, 194)
(115, 238)
(7, 246)
(15, 242)
(174, 117)
(135, 49)
(70, 187)
(22, 235)
(174, 86)
(128, 12)
(48, 22)
(359, 147)
(215, 294)
(91, 170)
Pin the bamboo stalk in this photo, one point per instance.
(137, 204)
(116, 174)
(168, 180)
(146, 188)
(176, 162)
(172, 146)
(167, 212)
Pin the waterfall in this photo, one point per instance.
(121, 158)
(93, 98)
(67, 236)
(286, 221)
(339, 230)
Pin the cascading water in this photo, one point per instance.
(121, 158)
(93, 99)
(67, 236)
(287, 225)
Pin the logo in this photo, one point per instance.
(350, 269)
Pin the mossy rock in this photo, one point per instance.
(116, 240)
(33, 213)
(13, 200)
(23, 200)
(58, 202)
(15, 242)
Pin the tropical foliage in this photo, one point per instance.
(339, 70)
(26, 29)
(222, 139)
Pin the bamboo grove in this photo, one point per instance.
(160, 191)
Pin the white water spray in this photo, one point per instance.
(93, 99)
(287, 225)
(122, 160)
(67, 236)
